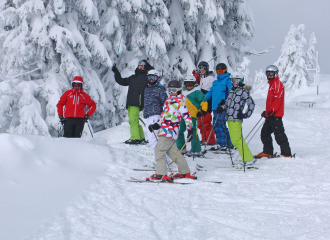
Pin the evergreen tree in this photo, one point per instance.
(260, 81)
(311, 53)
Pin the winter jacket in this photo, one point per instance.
(174, 110)
(235, 103)
(275, 97)
(154, 99)
(219, 90)
(75, 103)
(136, 84)
(195, 100)
(206, 84)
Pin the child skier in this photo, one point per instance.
(174, 110)
(197, 106)
(234, 106)
(154, 98)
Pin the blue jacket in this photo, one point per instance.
(154, 99)
(219, 90)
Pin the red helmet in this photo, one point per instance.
(78, 79)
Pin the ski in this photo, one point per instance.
(152, 169)
(175, 182)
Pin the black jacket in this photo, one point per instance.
(136, 85)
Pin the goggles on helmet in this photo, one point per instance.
(202, 67)
(235, 80)
(220, 71)
(142, 63)
(152, 77)
(173, 90)
(270, 73)
(189, 84)
(76, 84)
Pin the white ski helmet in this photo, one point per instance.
(237, 75)
(272, 68)
(189, 78)
(154, 75)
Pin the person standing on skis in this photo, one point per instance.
(273, 114)
(234, 106)
(197, 106)
(154, 98)
(75, 102)
(205, 79)
(169, 123)
(218, 93)
(135, 98)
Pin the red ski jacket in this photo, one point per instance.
(75, 103)
(275, 98)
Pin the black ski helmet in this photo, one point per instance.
(204, 64)
(175, 84)
(221, 66)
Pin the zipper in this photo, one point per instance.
(75, 105)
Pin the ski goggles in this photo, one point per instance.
(270, 73)
(189, 84)
(202, 67)
(173, 90)
(220, 71)
(76, 85)
(152, 77)
(235, 80)
(142, 63)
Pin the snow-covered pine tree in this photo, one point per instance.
(311, 53)
(260, 80)
(245, 70)
(291, 63)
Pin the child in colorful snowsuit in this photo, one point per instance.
(197, 106)
(233, 106)
(219, 92)
(174, 110)
(154, 98)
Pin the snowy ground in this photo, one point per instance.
(77, 189)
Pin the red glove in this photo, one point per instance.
(198, 79)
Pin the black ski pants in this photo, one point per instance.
(73, 127)
(274, 125)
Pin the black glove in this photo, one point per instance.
(240, 115)
(114, 68)
(199, 115)
(62, 119)
(263, 114)
(222, 102)
(190, 134)
(154, 126)
(220, 109)
(86, 118)
(271, 113)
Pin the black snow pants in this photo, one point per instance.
(274, 125)
(73, 127)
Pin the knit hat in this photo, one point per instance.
(78, 79)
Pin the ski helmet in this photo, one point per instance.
(203, 66)
(237, 77)
(271, 70)
(78, 79)
(174, 86)
(153, 75)
(221, 68)
(189, 81)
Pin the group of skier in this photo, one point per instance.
(187, 108)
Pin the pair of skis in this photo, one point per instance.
(183, 181)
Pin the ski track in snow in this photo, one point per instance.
(284, 199)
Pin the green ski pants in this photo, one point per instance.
(195, 147)
(133, 120)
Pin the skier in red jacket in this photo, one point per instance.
(273, 114)
(75, 102)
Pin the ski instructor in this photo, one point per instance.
(135, 98)
(75, 102)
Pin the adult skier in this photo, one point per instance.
(135, 98)
(234, 106)
(218, 93)
(154, 98)
(173, 111)
(273, 114)
(75, 102)
(205, 79)
(197, 106)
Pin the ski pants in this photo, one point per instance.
(168, 145)
(235, 131)
(73, 127)
(195, 144)
(274, 125)
(205, 127)
(151, 136)
(133, 120)
(221, 130)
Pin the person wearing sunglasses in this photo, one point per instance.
(197, 106)
(273, 114)
(205, 79)
(74, 102)
(135, 98)
(154, 98)
(218, 93)
(233, 107)
(174, 110)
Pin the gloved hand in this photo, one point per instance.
(199, 115)
(271, 113)
(240, 115)
(154, 126)
(195, 74)
(263, 114)
(62, 119)
(86, 118)
(190, 134)
(222, 102)
(114, 68)
(220, 109)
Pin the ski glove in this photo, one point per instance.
(240, 115)
(154, 126)
(200, 114)
(263, 114)
(222, 102)
(190, 134)
(220, 109)
(271, 113)
(114, 68)
(62, 119)
(86, 118)
(195, 74)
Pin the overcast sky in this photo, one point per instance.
(273, 19)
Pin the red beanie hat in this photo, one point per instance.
(78, 79)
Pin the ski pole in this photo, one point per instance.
(254, 127)
(208, 139)
(180, 150)
(222, 52)
(195, 140)
(223, 126)
(89, 128)
(203, 129)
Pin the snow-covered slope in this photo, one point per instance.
(77, 189)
